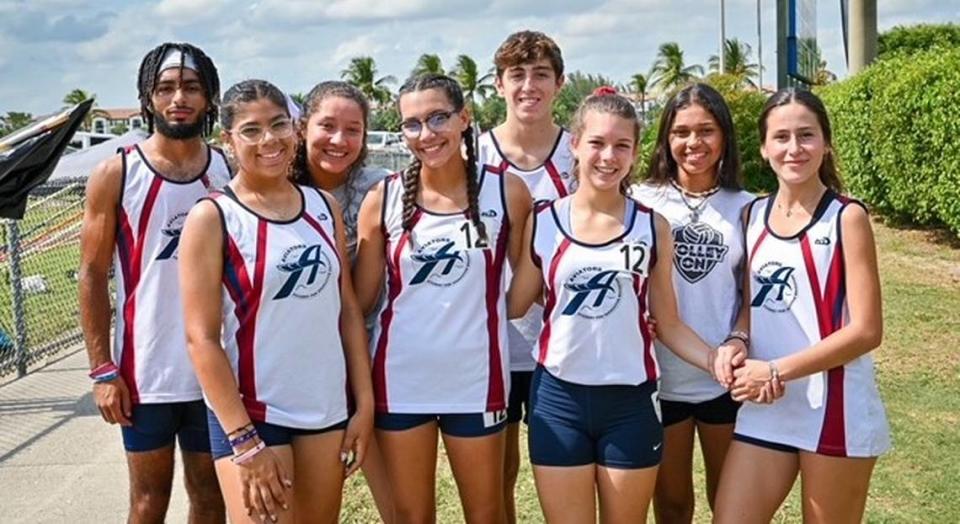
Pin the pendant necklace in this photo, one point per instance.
(694, 208)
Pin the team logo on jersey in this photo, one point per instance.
(697, 249)
(596, 292)
(490, 213)
(442, 263)
(172, 233)
(308, 270)
(778, 287)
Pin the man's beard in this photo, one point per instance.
(179, 131)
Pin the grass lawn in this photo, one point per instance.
(918, 368)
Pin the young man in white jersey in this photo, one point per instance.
(135, 207)
(529, 68)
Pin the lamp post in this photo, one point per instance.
(723, 37)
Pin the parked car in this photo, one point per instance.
(384, 141)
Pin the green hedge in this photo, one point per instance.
(897, 135)
(745, 106)
(917, 38)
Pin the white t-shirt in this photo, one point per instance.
(707, 258)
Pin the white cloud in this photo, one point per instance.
(189, 10)
(363, 45)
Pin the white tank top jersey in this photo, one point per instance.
(552, 180)
(595, 314)
(281, 313)
(798, 290)
(439, 342)
(707, 277)
(150, 345)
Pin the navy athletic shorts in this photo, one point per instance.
(776, 446)
(156, 426)
(518, 407)
(270, 434)
(721, 410)
(454, 424)
(575, 425)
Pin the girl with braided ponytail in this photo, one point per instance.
(441, 231)
(598, 257)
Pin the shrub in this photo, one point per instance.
(917, 38)
(896, 128)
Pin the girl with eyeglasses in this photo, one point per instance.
(441, 233)
(273, 327)
(331, 156)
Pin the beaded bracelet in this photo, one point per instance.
(248, 455)
(246, 427)
(245, 437)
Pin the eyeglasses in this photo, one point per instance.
(437, 122)
(253, 135)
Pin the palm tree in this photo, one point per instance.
(669, 71)
(638, 84)
(428, 63)
(75, 97)
(736, 62)
(474, 85)
(822, 76)
(362, 73)
(299, 98)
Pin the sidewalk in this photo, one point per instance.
(59, 461)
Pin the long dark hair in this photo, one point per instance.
(319, 93)
(606, 100)
(411, 175)
(663, 167)
(829, 175)
(150, 69)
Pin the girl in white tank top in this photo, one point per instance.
(813, 293)
(597, 257)
(273, 327)
(440, 232)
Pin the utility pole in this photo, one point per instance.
(723, 38)
(759, 50)
(783, 7)
(863, 34)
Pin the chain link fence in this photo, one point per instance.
(39, 256)
(39, 261)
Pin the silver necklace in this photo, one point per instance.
(694, 208)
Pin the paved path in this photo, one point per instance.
(59, 462)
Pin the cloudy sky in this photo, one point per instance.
(48, 47)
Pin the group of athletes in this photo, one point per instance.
(292, 315)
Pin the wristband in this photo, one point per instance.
(246, 437)
(104, 372)
(248, 455)
(243, 428)
(106, 377)
(742, 336)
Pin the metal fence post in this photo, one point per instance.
(16, 285)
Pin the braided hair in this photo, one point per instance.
(150, 70)
(411, 175)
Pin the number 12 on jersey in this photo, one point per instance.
(635, 258)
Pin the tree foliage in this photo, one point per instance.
(912, 39)
(362, 73)
(736, 62)
(670, 71)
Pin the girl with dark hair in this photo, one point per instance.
(693, 180)
(442, 234)
(262, 268)
(813, 291)
(597, 256)
(331, 156)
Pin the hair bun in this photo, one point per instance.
(604, 91)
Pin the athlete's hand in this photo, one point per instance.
(353, 449)
(772, 390)
(724, 359)
(264, 481)
(113, 401)
(750, 378)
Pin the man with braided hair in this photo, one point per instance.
(135, 207)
